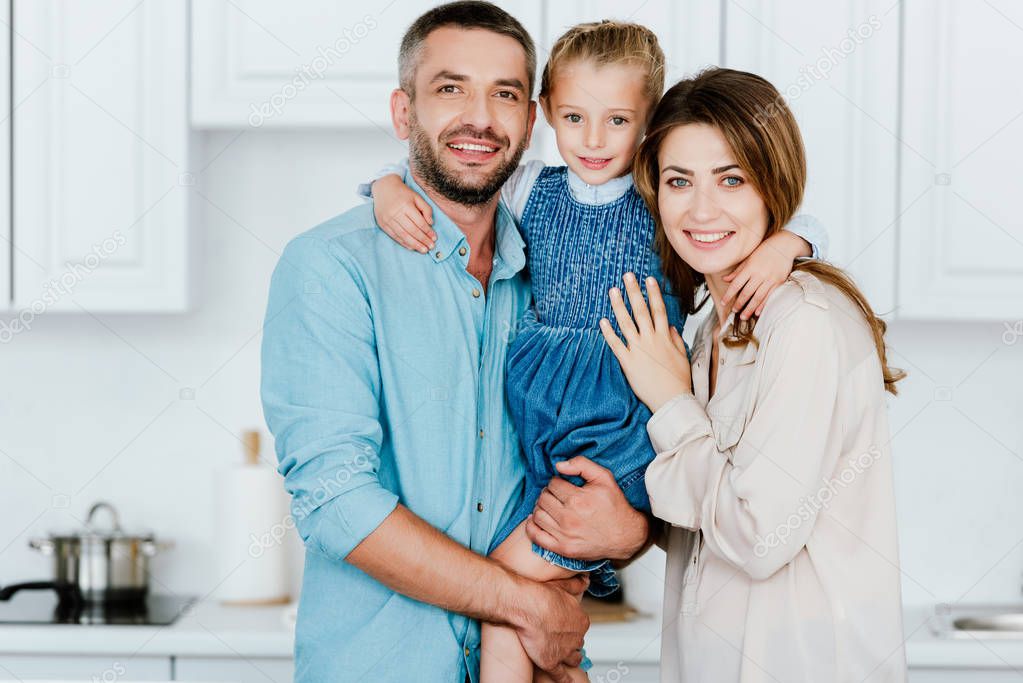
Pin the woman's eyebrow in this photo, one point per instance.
(686, 171)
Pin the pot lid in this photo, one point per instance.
(95, 529)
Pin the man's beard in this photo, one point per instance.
(427, 164)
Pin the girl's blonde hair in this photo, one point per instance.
(609, 42)
(764, 137)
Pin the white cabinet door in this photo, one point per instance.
(835, 63)
(234, 670)
(82, 668)
(961, 235)
(5, 169)
(101, 176)
(314, 63)
(962, 676)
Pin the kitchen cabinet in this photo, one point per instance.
(101, 175)
(961, 235)
(234, 669)
(963, 676)
(317, 63)
(84, 668)
(5, 168)
(834, 63)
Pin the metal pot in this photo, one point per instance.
(96, 565)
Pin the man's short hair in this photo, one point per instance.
(465, 14)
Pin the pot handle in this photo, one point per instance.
(150, 548)
(43, 545)
(116, 522)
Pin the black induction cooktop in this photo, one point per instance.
(43, 607)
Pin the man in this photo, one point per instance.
(383, 384)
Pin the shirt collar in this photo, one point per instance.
(607, 192)
(509, 247)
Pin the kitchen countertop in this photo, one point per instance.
(212, 630)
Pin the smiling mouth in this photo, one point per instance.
(473, 151)
(595, 163)
(709, 240)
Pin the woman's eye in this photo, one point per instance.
(618, 121)
(737, 179)
(574, 118)
(677, 182)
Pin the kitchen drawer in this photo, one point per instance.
(82, 668)
(963, 676)
(234, 669)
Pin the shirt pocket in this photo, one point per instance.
(729, 409)
(690, 604)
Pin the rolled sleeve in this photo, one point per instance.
(811, 230)
(320, 389)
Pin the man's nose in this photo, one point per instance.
(479, 112)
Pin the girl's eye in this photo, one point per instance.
(737, 179)
(574, 118)
(677, 182)
(618, 120)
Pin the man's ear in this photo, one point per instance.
(401, 106)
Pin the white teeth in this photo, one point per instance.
(709, 237)
(474, 148)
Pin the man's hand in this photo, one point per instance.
(589, 522)
(552, 623)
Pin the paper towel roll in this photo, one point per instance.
(251, 522)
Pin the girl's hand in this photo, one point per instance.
(654, 359)
(404, 215)
(767, 267)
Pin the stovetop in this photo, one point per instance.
(42, 607)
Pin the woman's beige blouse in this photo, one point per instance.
(791, 570)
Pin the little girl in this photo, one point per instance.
(584, 226)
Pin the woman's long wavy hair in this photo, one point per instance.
(764, 137)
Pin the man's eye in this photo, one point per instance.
(448, 88)
(507, 95)
(574, 118)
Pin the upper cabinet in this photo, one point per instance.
(100, 156)
(835, 64)
(310, 63)
(961, 240)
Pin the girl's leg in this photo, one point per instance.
(502, 659)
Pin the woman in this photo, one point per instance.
(773, 472)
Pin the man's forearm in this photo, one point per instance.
(645, 526)
(410, 556)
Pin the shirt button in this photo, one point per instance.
(476, 292)
(479, 506)
(466, 652)
(461, 251)
(438, 254)
(481, 433)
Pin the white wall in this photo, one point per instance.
(91, 409)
